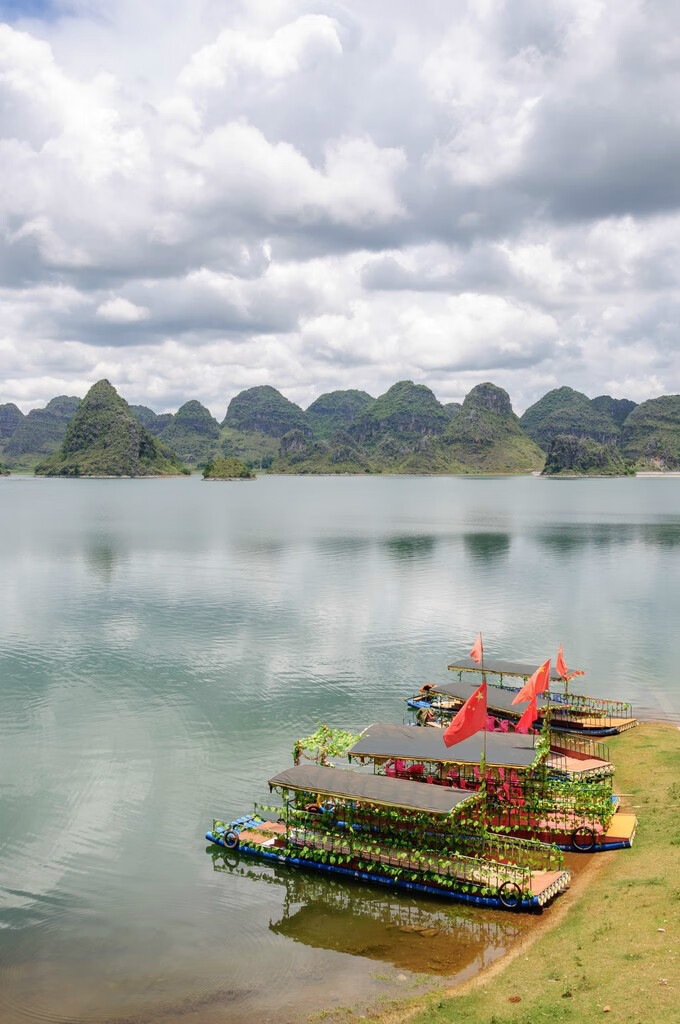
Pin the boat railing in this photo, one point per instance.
(454, 866)
(582, 745)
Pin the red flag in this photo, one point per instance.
(470, 719)
(528, 718)
(562, 668)
(477, 652)
(537, 683)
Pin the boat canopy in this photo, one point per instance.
(502, 668)
(413, 743)
(374, 789)
(497, 697)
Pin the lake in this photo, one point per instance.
(165, 642)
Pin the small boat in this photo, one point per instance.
(374, 828)
(523, 792)
(570, 712)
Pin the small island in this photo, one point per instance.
(227, 469)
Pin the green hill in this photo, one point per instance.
(192, 432)
(617, 409)
(581, 456)
(10, 418)
(404, 414)
(486, 436)
(105, 439)
(336, 410)
(227, 469)
(565, 411)
(452, 409)
(41, 431)
(650, 436)
(153, 421)
(339, 454)
(265, 410)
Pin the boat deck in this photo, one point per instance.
(577, 766)
(268, 836)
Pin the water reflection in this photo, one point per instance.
(566, 539)
(486, 547)
(407, 547)
(414, 934)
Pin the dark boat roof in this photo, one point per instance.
(375, 789)
(496, 696)
(505, 668)
(413, 743)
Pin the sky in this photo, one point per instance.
(199, 197)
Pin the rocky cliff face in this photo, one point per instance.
(105, 439)
(581, 456)
(650, 436)
(617, 409)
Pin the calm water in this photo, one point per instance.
(163, 644)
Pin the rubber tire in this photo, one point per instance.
(231, 840)
(507, 901)
(591, 835)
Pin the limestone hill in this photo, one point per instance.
(10, 418)
(403, 415)
(650, 436)
(616, 408)
(153, 421)
(565, 411)
(336, 410)
(339, 454)
(227, 469)
(41, 431)
(105, 439)
(193, 433)
(486, 436)
(581, 456)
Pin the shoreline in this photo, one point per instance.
(491, 995)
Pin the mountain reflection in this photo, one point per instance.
(485, 547)
(360, 920)
(410, 546)
(565, 540)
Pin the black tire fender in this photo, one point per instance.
(510, 895)
(231, 839)
(583, 839)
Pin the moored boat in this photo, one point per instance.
(375, 828)
(570, 712)
(523, 793)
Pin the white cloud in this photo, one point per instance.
(318, 195)
(121, 311)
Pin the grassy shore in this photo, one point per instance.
(614, 950)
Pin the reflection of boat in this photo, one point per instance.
(427, 839)
(521, 796)
(375, 922)
(575, 712)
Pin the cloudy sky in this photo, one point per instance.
(202, 196)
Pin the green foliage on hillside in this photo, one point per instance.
(340, 454)
(650, 436)
(486, 435)
(452, 409)
(153, 421)
(617, 409)
(41, 431)
(193, 433)
(581, 456)
(256, 449)
(3, 471)
(105, 439)
(565, 411)
(227, 469)
(10, 418)
(405, 413)
(265, 410)
(336, 410)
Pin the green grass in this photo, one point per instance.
(608, 950)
